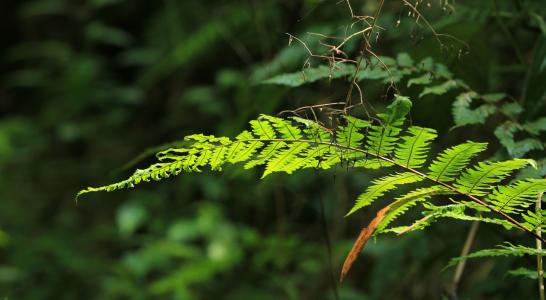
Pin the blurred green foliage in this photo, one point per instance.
(86, 85)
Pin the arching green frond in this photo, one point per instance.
(266, 154)
(286, 160)
(382, 138)
(382, 185)
(413, 150)
(350, 134)
(534, 220)
(405, 202)
(244, 148)
(482, 178)
(517, 196)
(506, 249)
(284, 127)
(448, 164)
(453, 211)
(154, 172)
(263, 129)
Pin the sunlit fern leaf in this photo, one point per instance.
(263, 129)
(517, 196)
(382, 185)
(412, 152)
(218, 155)
(351, 134)
(284, 127)
(382, 138)
(244, 148)
(265, 154)
(534, 220)
(372, 163)
(448, 164)
(314, 131)
(286, 160)
(405, 202)
(315, 157)
(482, 178)
(453, 211)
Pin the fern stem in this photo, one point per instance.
(540, 271)
(466, 249)
(447, 186)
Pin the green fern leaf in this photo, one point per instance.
(243, 150)
(265, 154)
(452, 161)
(382, 138)
(453, 211)
(350, 135)
(506, 249)
(481, 179)
(412, 152)
(286, 160)
(439, 89)
(287, 130)
(263, 129)
(464, 115)
(382, 185)
(517, 196)
(403, 203)
(421, 80)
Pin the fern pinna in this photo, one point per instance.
(287, 145)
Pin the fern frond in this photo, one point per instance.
(506, 249)
(286, 160)
(439, 89)
(405, 202)
(266, 154)
(481, 179)
(534, 220)
(350, 135)
(412, 152)
(263, 129)
(382, 185)
(452, 161)
(453, 211)
(382, 138)
(287, 145)
(518, 196)
(287, 130)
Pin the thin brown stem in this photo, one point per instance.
(464, 252)
(540, 271)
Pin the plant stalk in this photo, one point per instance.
(464, 252)
(540, 271)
